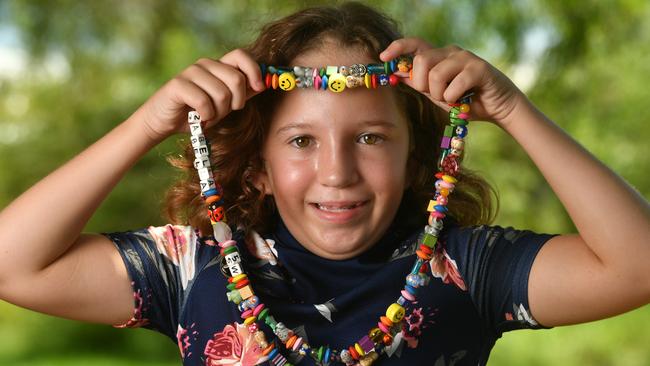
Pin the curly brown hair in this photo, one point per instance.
(236, 141)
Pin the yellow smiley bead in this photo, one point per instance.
(287, 81)
(395, 312)
(336, 83)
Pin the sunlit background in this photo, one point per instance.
(72, 70)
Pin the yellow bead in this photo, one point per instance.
(239, 277)
(395, 312)
(367, 80)
(359, 350)
(287, 81)
(464, 108)
(250, 320)
(444, 192)
(431, 204)
(336, 83)
(449, 179)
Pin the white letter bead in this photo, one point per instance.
(204, 173)
(202, 162)
(235, 270)
(201, 151)
(207, 185)
(232, 259)
(195, 129)
(193, 116)
(197, 140)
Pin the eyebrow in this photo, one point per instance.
(367, 123)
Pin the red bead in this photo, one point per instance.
(393, 80)
(353, 353)
(242, 283)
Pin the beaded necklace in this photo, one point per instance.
(239, 291)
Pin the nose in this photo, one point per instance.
(337, 165)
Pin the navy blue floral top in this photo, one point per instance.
(478, 291)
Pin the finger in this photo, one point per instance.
(404, 46)
(220, 94)
(422, 64)
(463, 82)
(241, 60)
(185, 92)
(231, 77)
(441, 75)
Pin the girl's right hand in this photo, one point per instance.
(213, 88)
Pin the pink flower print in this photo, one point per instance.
(263, 249)
(233, 346)
(178, 243)
(445, 268)
(136, 320)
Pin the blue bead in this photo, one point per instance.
(402, 301)
(411, 290)
(326, 357)
(441, 208)
(211, 192)
(273, 353)
(272, 69)
(323, 84)
(461, 131)
(263, 69)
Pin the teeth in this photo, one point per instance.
(326, 208)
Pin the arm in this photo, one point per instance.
(47, 264)
(604, 270)
(599, 272)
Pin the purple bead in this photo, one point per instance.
(446, 142)
(366, 344)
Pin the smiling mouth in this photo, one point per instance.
(337, 207)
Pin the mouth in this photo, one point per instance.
(337, 206)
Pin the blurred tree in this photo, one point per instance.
(91, 64)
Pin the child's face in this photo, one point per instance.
(326, 152)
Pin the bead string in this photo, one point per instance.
(336, 78)
(371, 345)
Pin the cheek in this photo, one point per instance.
(290, 177)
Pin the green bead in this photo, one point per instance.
(262, 315)
(320, 353)
(231, 286)
(229, 250)
(429, 240)
(454, 110)
(457, 121)
(449, 131)
(322, 71)
(387, 68)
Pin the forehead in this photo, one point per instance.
(352, 105)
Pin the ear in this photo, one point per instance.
(262, 181)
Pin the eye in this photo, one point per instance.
(300, 141)
(370, 139)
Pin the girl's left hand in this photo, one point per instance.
(446, 74)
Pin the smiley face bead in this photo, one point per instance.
(287, 81)
(336, 83)
(395, 312)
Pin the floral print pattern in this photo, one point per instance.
(445, 268)
(233, 346)
(178, 243)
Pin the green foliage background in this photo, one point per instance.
(586, 63)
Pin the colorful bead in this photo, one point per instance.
(287, 81)
(395, 312)
(336, 83)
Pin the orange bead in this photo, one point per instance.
(291, 341)
(464, 108)
(385, 321)
(268, 349)
(422, 255)
(387, 339)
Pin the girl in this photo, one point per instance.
(326, 195)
